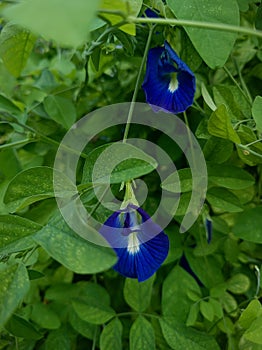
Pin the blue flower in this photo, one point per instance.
(209, 229)
(140, 244)
(169, 83)
(151, 13)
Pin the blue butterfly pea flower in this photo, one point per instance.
(140, 244)
(169, 83)
(151, 13)
(209, 229)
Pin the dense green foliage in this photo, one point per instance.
(64, 59)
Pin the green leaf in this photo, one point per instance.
(93, 306)
(7, 105)
(142, 335)
(34, 274)
(61, 110)
(63, 292)
(223, 94)
(122, 162)
(217, 307)
(9, 158)
(16, 233)
(188, 53)
(219, 124)
(138, 294)
(179, 181)
(129, 7)
(229, 176)
(66, 22)
(224, 200)
(241, 101)
(161, 343)
(226, 325)
(183, 204)
(253, 155)
(111, 336)
(207, 98)
(253, 333)
(193, 314)
(59, 339)
(258, 21)
(178, 336)
(14, 285)
(257, 112)
(35, 184)
(207, 310)
(175, 244)
(238, 284)
(248, 225)
(72, 251)
(229, 303)
(206, 268)
(45, 317)
(93, 313)
(243, 5)
(218, 290)
(220, 225)
(20, 327)
(201, 131)
(249, 314)
(86, 329)
(175, 300)
(218, 44)
(16, 45)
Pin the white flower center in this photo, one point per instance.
(173, 85)
(133, 243)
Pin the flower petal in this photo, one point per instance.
(161, 92)
(209, 229)
(143, 249)
(143, 263)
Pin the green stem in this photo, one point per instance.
(245, 88)
(132, 105)
(197, 24)
(252, 143)
(249, 151)
(258, 281)
(247, 97)
(17, 143)
(241, 122)
(94, 339)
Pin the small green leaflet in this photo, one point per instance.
(257, 112)
(219, 124)
(16, 44)
(142, 335)
(14, 279)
